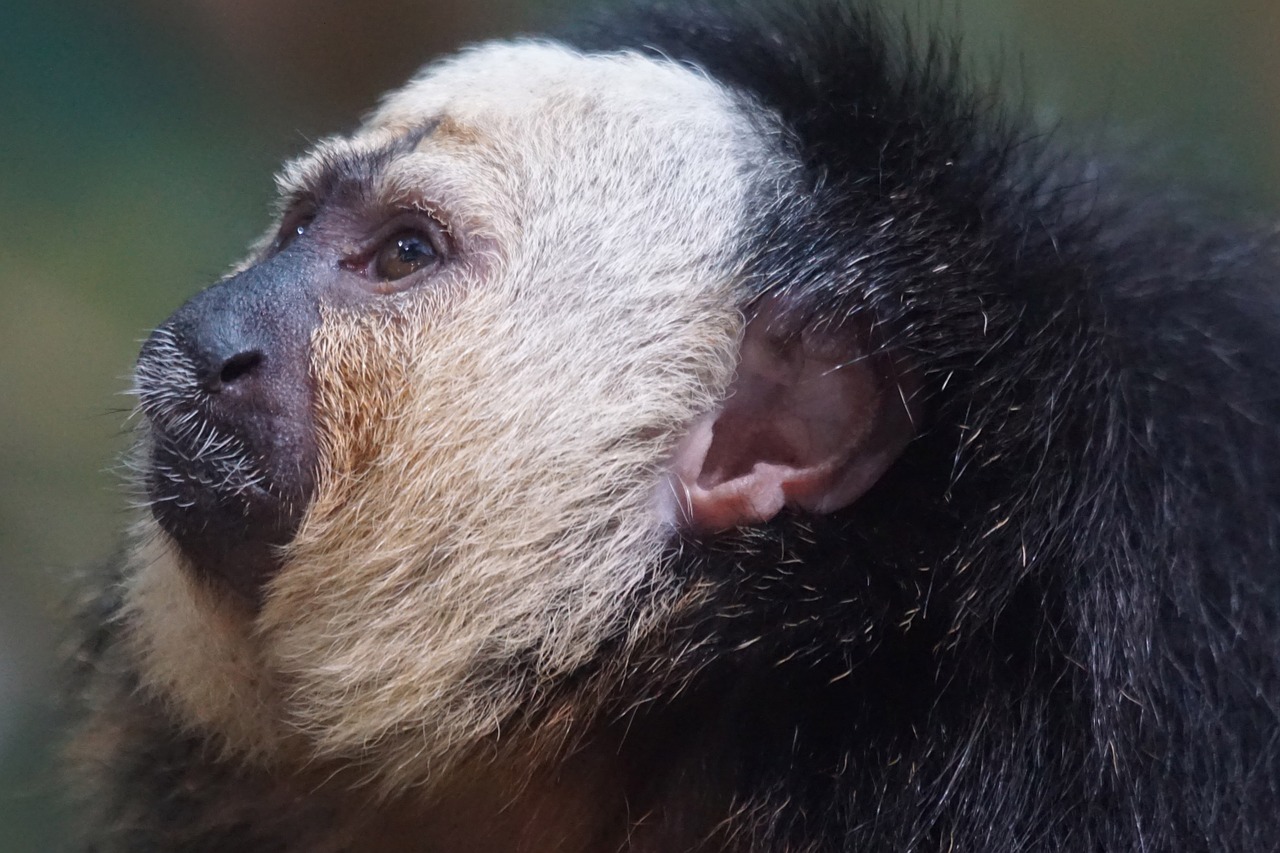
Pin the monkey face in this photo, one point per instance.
(426, 454)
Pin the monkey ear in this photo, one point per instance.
(812, 421)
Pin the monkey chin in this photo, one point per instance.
(228, 511)
(229, 528)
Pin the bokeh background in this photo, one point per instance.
(137, 143)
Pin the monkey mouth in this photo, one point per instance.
(200, 473)
(215, 497)
(231, 491)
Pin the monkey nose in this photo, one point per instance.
(241, 375)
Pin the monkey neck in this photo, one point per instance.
(642, 785)
(500, 808)
(617, 791)
(690, 772)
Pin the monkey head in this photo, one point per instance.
(436, 449)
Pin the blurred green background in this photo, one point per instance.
(138, 140)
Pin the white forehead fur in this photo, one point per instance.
(616, 189)
(524, 78)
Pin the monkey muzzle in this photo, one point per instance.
(226, 389)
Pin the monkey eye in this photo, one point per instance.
(403, 253)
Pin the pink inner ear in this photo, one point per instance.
(812, 421)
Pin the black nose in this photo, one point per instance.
(236, 339)
(244, 344)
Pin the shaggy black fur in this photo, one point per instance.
(1054, 625)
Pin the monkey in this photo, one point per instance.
(708, 427)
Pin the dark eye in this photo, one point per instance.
(404, 252)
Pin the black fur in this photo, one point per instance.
(1053, 626)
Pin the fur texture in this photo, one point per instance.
(1052, 625)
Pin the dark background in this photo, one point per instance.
(137, 143)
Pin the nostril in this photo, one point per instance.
(236, 367)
